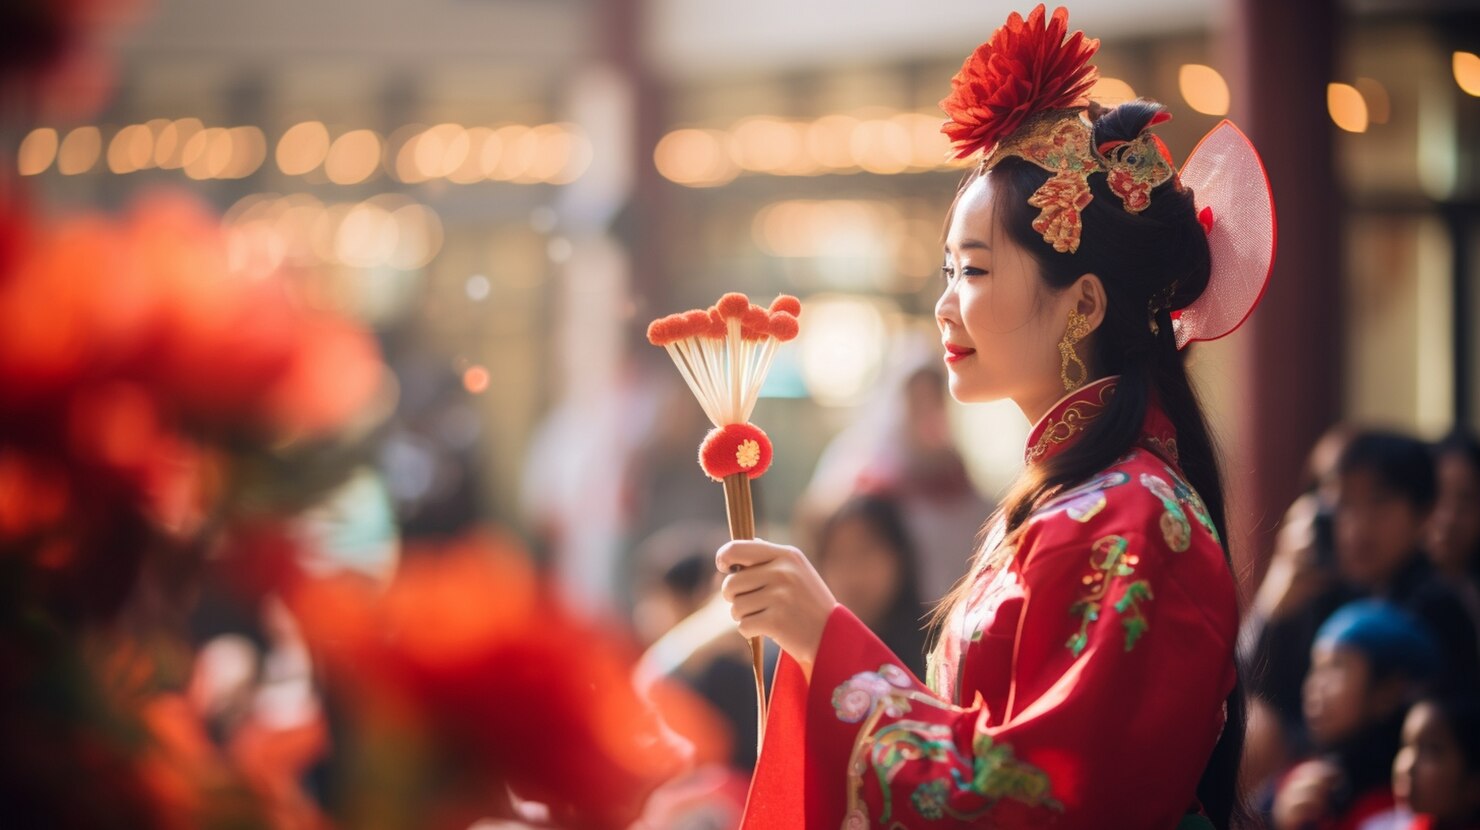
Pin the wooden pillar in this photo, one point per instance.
(1283, 55)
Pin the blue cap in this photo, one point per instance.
(1389, 637)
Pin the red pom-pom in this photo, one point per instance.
(733, 305)
(755, 324)
(718, 328)
(735, 448)
(666, 330)
(1025, 68)
(695, 323)
(787, 303)
(784, 327)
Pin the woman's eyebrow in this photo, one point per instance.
(971, 244)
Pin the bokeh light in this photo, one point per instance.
(353, 157)
(1466, 66)
(1347, 107)
(1203, 88)
(302, 148)
(79, 151)
(37, 151)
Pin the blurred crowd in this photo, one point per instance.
(1360, 644)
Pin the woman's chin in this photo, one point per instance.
(964, 390)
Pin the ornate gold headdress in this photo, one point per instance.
(1023, 93)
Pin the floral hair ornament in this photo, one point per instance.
(1023, 93)
(723, 353)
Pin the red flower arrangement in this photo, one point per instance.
(467, 679)
(1025, 68)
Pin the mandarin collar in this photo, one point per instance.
(1066, 420)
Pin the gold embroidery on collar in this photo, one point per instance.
(1074, 418)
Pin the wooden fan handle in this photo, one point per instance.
(740, 511)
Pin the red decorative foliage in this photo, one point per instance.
(1025, 68)
(470, 652)
(735, 448)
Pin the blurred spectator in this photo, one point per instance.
(1454, 526)
(902, 446)
(1357, 532)
(1437, 772)
(1387, 492)
(674, 576)
(867, 558)
(1300, 589)
(690, 637)
(1368, 663)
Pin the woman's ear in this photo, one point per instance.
(1088, 296)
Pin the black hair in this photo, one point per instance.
(1150, 263)
(1403, 465)
(1461, 715)
(691, 574)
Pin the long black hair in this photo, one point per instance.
(1157, 258)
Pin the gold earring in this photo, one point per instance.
(1078, 329)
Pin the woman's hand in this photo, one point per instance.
(777, 594)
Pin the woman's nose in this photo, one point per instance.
(945, 307)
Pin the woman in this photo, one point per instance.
(1084, 674)
(866, 557)
(1453, 542)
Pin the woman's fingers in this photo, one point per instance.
(746, 552)
(757, 624)
(752, 603)
(745, 581)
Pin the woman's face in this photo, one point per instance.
(1454, 526)
(1429, 773)
(1336, 693)
(996, 311)
(1377, 530)
(861, 569)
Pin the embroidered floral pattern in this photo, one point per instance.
(1175, 528)
(1084, 502)
(1060, 200)
(1135, 168)
(1110, 560)
(1189, 497)
(931, 798)
(996, 773)
(861, 694)
(1063, 150)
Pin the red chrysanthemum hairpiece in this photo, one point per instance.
(1025, 68)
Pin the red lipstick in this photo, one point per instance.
(956, 353)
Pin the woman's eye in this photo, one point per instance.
(947, 272)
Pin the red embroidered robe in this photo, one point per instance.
(1083, 685)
